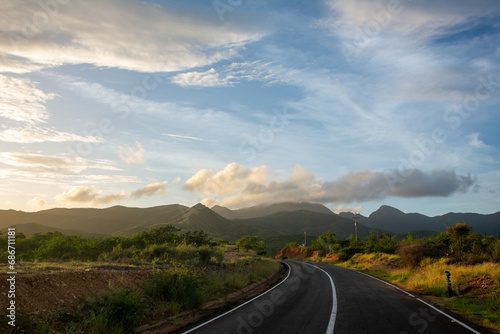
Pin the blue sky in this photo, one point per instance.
(352, 104)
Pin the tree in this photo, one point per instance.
(252, 242)
(197, 238)
(325, 243)
(459, 233)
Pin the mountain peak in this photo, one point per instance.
(386, 210)
(199, 206)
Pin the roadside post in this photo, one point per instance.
(448, 281)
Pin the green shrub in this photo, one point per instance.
(178, 285)
(348, 252)
(115, 311)
(118, 254)
(494, 251)
(412, 254)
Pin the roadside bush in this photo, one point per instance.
(178, 285)
(308, 251)
(115, 311)
(294, 244)
(118, 254)
(414, 253)
(348, 252)
(494, 251)
(160, 252)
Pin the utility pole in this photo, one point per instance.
(305, 237)
(356, 225)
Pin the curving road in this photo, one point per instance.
(321, 298)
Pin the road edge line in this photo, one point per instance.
(449, 316)
(333, 317)
(420, 300)
(241, 305)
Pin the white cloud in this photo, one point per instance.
(35, 134)
(37, 203)
(12, 65)
(209, 202)
(183, 137)
(366, 19)
(50, 164)
(131, 156)
(93, 196)
(124, 104)
(131, 35)
(88, 196)
(343, 208)
(51, 170)
(232, 178)
(150, 190)
(232, 74)
(22, 101)
(238, 186)
(208, 78)
(474, 141)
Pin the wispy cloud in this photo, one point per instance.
(180, 40)
(36, 134)
(93, 196)
(22, 101)
(208, 78)
(131, 155)
(60, 169)
(152, 189)
(232, 74)
(88, 196)
(37, 203)
(184, 137)
(52, 164)
(474, 141)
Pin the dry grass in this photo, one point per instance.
(477, 286)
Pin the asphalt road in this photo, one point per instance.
(321, 298)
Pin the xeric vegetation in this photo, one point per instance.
(419, 265)
(182, 272)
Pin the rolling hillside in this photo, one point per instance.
(277, 224)
(316, 223)
(266, 210)
(119, 220)
(394, 220)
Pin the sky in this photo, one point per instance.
(352, 104)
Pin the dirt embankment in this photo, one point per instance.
(55, 292)
(300, 253)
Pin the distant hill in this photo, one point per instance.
(276, 224)
(350, 215)
(266, 210)
(29, 229)
(316, 223)
(119, 220)
(394, 220)
(101, 221)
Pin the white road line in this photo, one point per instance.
(378, 279)
(331, 323)
(245, 303)
(420, 300)
(449, 316)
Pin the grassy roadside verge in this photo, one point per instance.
(477, 286)
(162, 294)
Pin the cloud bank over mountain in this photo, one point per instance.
(236, 186)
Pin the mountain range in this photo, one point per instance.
(276, 224)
